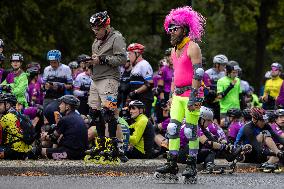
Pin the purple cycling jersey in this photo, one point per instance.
(234, 129)
(166, 74)
(217, 131)
(35, 93)
(276, 129)
(10, 77)
(206, 80)
(156, 78)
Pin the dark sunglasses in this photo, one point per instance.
(173, 29)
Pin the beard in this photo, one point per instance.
(176, 39)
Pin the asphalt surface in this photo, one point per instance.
(67, 167)
(238, 180)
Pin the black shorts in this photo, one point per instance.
(64, 153)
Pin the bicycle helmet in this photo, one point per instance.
(234, 112)
(10, 98)
(136, 47)
(53, 55)
(247, 114)
(220, 59)
(272, 115)
(276, 65)
(33, 70)
(73, 65)
(17, 57)
(206, 113)
(136, 103)
(100, 19)
(279, 112)
(33, 64)
(258, 113)
(71, 100)
(83, 58)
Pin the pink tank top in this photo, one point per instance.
(183, 70)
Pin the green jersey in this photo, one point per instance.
(232, 99)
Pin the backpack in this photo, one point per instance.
(27, 128)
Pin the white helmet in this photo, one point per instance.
(220, 59)
(206, 113)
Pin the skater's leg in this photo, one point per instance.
(190, 132)
(177, 115)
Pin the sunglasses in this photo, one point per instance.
(173, 29)
(274, 69)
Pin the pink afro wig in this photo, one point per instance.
(186, 16)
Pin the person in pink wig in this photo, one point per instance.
(185, 27)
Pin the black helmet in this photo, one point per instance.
(83, 58)
(10, 98)
(2, 57)
(272, 115)
(73, 65)
(17, 57)
(100, 19)
(247, 114)
(234, 112)
(136, 103)
(3, 98)
(71, 100)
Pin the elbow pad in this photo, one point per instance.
(198, 72)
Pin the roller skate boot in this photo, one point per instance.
(272, 168)
(168, 172)
(189, 175)
(94, 154)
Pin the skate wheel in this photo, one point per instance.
(277, 171)
(87, 159)
(105, 161)
(267, 170)
(159, 176)
(96, 159)
(116, 161)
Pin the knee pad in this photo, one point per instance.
(190, 132)
(266, 133)
(173, 129)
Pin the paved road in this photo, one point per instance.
(238, 180)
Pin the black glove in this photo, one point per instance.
(133, 95)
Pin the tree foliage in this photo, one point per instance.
(248, 31)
